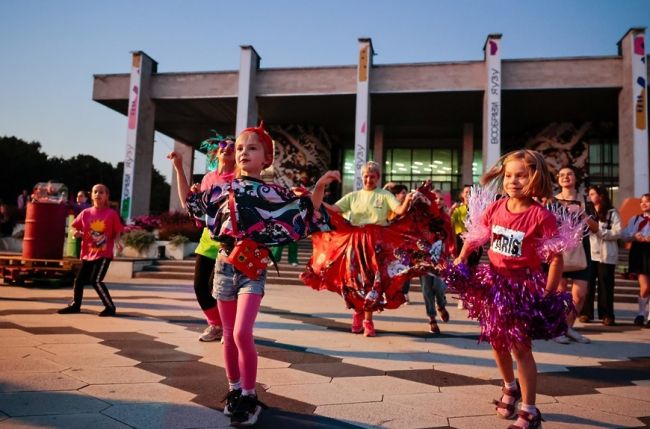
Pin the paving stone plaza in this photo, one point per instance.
(145, 368)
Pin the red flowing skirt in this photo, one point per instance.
(368, 265)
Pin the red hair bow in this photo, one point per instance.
(265, 138)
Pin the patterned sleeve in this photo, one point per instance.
(273, 215)
(206, 202)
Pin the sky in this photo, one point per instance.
(50, 49)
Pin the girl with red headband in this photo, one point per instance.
(245, 215)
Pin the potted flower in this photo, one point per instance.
(139, 243)
(179, 247)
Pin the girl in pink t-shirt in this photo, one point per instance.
(99, 227)
(512, 298)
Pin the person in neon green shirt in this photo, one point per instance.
(370, 205)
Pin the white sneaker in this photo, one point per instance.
(577, 336)
(211, 333)
(562, 339)
(294, 264)
(461, 305)
(407, 300)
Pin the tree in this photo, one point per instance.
(27, 165)
(22, 167)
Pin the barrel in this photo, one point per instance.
(44, 231)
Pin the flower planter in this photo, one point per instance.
(150, 252)
(181, 251)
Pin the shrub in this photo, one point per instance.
(178, 223)
(139, 239)
(178, 240)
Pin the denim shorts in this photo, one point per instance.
(229, 282)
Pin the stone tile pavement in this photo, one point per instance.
(146, 369)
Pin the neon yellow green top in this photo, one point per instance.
(207, 246)
(368, 207)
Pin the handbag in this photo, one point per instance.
(575, 259)
(247, 256)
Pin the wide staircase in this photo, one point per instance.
(625, 290)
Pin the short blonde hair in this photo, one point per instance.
(540, 184)
(371, 167)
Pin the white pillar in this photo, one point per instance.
(187, 152)
(633, 117)
(249, 63)
(362, 118)
(468, 154)
(138, 160)
(492, 101)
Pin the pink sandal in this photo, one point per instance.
(516, 394)
(534, 420)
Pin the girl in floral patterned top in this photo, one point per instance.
(270, 215)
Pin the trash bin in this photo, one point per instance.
(44, 230)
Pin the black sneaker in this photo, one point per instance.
(246, 412)
(70, 309)
(107, 312)
(639, 320)
(231, 400)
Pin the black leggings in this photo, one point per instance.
(203, 279)
(92, 272)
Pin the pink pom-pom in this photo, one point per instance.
(479, 199)
(571, 229)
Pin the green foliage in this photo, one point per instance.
(28, 165)
(178, 240)
(139, 239)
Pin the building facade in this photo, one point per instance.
(440, 121)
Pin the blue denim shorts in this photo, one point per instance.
(229, 282)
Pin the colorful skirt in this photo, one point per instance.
(509, 304)
(368, 265)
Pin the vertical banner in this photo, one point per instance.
(131, 134)
(492, 102)
(640, 109)
(362, 111)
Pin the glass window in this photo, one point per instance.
(348, 171)
(603, 164)
(411, 167)
(477, 165)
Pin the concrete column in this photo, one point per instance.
(468, 154)
(492, 101)
(187, 152)
(633, 117)
(378, 146)
(362, 118)
(249, 63)
(138, 161)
